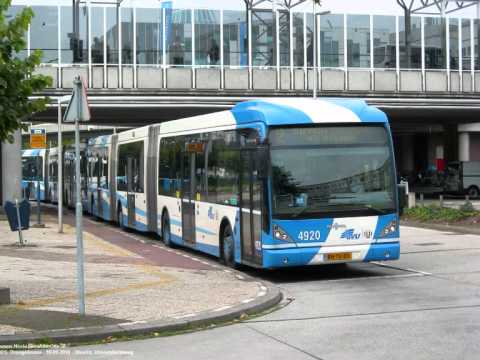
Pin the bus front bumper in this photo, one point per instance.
(275, 258)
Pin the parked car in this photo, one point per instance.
(463, 177)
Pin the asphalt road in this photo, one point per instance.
(424, 306)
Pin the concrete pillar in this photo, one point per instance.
(464, 146)
(12, 169)
(408, 154)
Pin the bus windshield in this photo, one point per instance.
(327, 171)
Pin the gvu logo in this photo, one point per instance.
(211, 214)
(349, 234)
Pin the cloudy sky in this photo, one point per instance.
(337, 6)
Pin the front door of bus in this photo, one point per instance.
(188, 200)
(251, 207)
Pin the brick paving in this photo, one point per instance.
(129, 278)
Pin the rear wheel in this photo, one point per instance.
(228, 246)
(473, 192)
(166, 234)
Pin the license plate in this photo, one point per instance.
(339, 256)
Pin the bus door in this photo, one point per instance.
(99, 190)
(250, 207)
(188, 200)
(130, 192)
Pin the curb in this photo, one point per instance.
(272, 296)
(442, 227)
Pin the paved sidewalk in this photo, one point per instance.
(133, 281)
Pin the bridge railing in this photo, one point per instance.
(163, 48)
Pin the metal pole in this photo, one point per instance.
(79, 230)
(20, 236)
(78, 208)
(39, 168)
(60, 168)
(314, 50)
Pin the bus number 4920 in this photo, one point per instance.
(309, 235)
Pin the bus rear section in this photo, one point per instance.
(333, 195)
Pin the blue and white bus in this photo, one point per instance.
(269, 183)
(35, 173)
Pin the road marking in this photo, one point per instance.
(222, 308)
(401, 269)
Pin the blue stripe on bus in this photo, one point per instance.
(207, 248)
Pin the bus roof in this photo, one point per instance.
(290, 111)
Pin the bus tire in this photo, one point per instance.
(228, 246)
(166, 233)
(473, 192)
(120, 217)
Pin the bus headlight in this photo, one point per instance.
(389, 229)
(280, 234)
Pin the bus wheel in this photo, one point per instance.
(120, 218)
(473, 192)
(166, 234)
(228, 246)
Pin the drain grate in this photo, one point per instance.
(428, 244)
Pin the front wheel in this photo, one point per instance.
(473, 192)
(228, 246)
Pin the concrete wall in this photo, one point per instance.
(11, 178)
(149, 78)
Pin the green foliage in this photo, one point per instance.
(438, 214)
(17, 81)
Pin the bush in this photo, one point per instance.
(439, 214)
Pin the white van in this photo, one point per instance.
(463, 177)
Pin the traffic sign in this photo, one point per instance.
(38, 138)
(78, 108)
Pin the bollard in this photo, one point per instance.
(441, 200)
(422, 203)
(411, 200)
(467, 198)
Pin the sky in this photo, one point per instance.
(335, 6)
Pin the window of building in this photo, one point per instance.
(235, 38)
(44, 32)
(207, 37)
(112, 35)
(410, 39)
(358, 41)
(297, 36)
(263, 39)
(178, 36)
(127, 35)
(466, 45)
(149, 36)
(74, 44)
(331, 41)
(435, 43)
(384, 42)
(454, 40)
(97, 34)
(284, 39)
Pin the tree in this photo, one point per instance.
(17, 80)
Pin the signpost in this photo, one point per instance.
(38, 140)
(77, 111)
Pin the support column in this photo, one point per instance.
(12, 165)
(464, 146)
(408, 154)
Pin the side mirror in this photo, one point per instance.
(402, 197)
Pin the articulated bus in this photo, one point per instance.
(269, 183)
